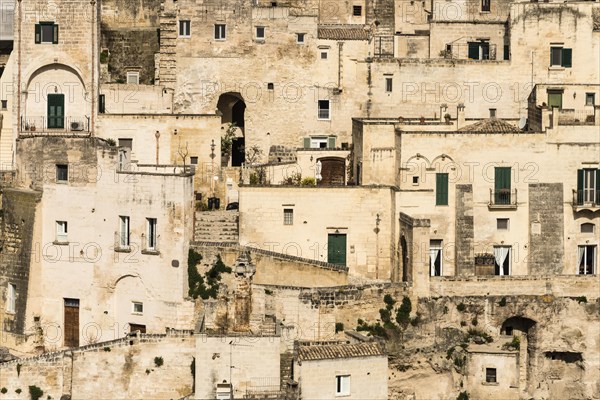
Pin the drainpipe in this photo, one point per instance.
(19, 77)
(339, 80)
(93, 4)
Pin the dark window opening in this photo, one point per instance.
(486, 5)
(46, 32)
(566, 356)
(357, 11)
(62, 173)
(490, 375)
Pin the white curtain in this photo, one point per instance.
(434, 253)
(580, 259)
(500, 253)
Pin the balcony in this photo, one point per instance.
(503, 199)
(587, 199)
(66, 126)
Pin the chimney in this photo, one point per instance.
(460, 116)
(492, 113)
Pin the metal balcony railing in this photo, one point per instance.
(586, 198)
(55, 125)
(503, 198)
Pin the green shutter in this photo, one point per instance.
(567, 55)
(597, 186)
(55, 34)
(441, 189)
(336, 249)
(502, 185)
(474, 51)
(331, 142)
(506, 52)
(307, 143)
(579, 186)
(38, 33)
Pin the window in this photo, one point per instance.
(415, 180)
(560, 57)
(260, 32)
(588, 227)
(588, 186)
(4, 104)
(586, 260)
(441, 189)
(62, 173)
(502, 256)
(506, 52)
(502, 178)
(194, 160)
(123, 231)
(590, 100)
(486, 5)
(185, 28)
(388, 85)
(319, 142)
(288, 216)
(11, 298)
(220, 33)
(342, 385)
(61, 232)
(270, 86)
(555, 99)
(502, 224)
(138, 307)
(490, 375)
(133, 78)
(300, 38)
(46, 32)
(323, 54)
(435, 257)
(151, 232)
(101, 104)
(323, 110)
(357, 11)
(479, 50)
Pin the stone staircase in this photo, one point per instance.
(216, 226)
(285, 368)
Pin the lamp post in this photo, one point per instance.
(212, 166)
(157, 136)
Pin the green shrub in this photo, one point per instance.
(463, 396)
(580, 299)
(416, 320)
(308, 181)
(103, 56)
(106, 349)
(403, 312)
(254, 179)
(502, 302)
(339, 327)
(449, 352)
(389, 302)
(474, 321)
(385, 315)
(476, 332)
(461, 307)
(515, 344)
(35, 392)
(3, 390)
(158, 361)
(111, 142)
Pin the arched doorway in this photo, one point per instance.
(404, 259)
(523, 329)
(333, 171)
(233, 110)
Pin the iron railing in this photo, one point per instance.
(586, 197)
(54, 125)
(503, 197)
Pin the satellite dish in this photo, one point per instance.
(522, 123)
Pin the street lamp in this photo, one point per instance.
(157, 136)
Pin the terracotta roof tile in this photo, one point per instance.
(343, 32)
(491, 125)
(333, 351)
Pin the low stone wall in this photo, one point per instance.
(120, 369)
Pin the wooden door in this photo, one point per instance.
(336, 248)
(56, 111)
(71, 323)
(333, 171)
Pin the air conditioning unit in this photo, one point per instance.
(76, 126)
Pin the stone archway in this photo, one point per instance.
(524, 329)
(233, 111)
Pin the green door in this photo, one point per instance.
(554, 99)
(502, 185)
(56, 111)
(336, 248)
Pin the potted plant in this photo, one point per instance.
(447, 118)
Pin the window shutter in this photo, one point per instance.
(597, 186)
(579, 186)
(55, 34)
(474, 51)
(307, 143)
(441, 189)
(331, 142)
(38, 33)
(567, 57)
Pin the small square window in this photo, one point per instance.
(588, 227)
(323, 111)
(220, 32)
(590, 99)
(4, 104)
(300, 38)
(490, 375)
(133, 78)
(138, 307)
(46, 32)
(415, 180)
(388, 85)
(123, 232)
(194, 160)
(270, 86)
(342, 385)
(357, 11)
(288, 216)
(61, 232)
(185, 28)
(502, 224)
(323, 55)
(151, 234)
(11, 298)
(486, 5)
(62, 173)
(260, 32)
